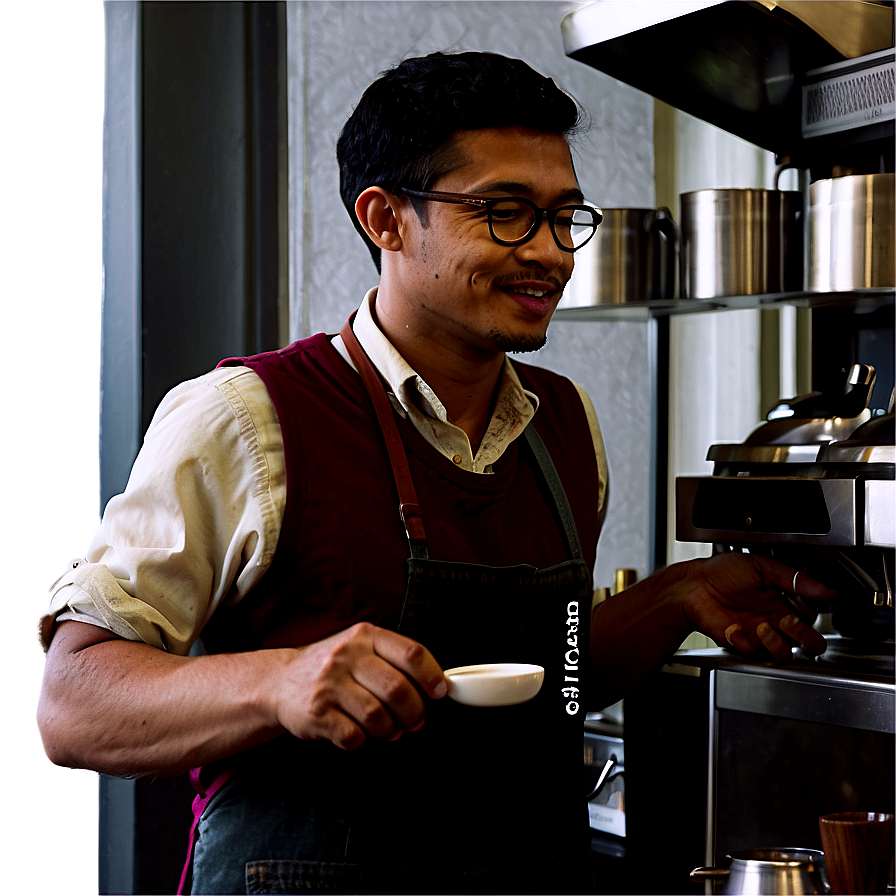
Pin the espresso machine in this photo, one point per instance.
(728, 754)
(813, 487)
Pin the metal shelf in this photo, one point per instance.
(862, 299)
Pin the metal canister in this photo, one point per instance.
(631, 258)
(851, 242)
(741, 242)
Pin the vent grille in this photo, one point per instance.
(849, 95)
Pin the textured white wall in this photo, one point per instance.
(335, 50)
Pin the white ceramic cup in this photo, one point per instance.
(494, 684)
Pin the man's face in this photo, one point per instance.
(467, 289)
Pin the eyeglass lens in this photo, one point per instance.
(512, 220)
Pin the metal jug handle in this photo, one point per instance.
(709, 873)
(662, 275)
(784, 164)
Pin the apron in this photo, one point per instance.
(480, 800)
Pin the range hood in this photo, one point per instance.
(743, 65)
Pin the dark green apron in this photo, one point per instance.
(479, 800)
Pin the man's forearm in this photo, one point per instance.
(744, 601)
(634, 632)
(127, 709)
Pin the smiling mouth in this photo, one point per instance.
(540, 292)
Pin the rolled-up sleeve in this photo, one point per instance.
(197, 525)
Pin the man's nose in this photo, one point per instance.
(542, 247)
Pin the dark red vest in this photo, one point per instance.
(342, 549)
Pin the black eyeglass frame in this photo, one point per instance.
(541, 214)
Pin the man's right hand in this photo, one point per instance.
(125, 708)
(356, 684)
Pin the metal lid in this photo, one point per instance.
(815, 431)
(763, 454)
(871, 443)
(849, 453)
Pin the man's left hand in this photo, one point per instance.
(753, 605)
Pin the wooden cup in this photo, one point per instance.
(858, 851)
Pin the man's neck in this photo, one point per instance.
(465, 380)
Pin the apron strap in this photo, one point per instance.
(408, 505)
(552, 478)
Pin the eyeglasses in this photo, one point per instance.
(514, 220)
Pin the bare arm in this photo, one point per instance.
(127, 709)
(736, 599)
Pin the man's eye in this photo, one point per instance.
(505, 213)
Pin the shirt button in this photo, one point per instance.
(457, 459)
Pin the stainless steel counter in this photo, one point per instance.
(843, 691)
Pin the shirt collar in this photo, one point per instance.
(414, 398)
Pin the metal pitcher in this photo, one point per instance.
(770, 871)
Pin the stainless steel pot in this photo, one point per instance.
(770, 871)
(851, 242)
(631, 258)
(741, 242)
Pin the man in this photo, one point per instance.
(344, 519)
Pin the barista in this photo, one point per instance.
(262, 515)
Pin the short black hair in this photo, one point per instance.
(399, 133)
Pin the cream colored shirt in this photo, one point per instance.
(198, 522)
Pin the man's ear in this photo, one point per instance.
(378, 212)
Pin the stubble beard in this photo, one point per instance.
(516, 343)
